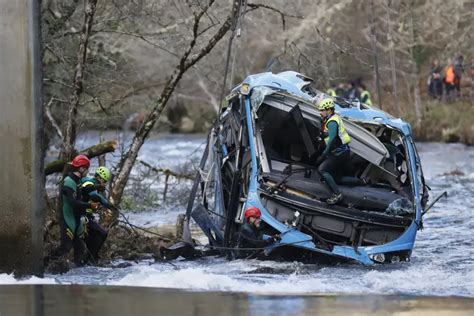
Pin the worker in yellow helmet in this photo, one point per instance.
(364, 95)
(331, 91)
(337, 148)
(92, 190)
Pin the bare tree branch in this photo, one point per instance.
(142, 37)
(282, 14)
(78, 79)
(58, 23)
(53, 122)
(57, 82)
(127, 162)
(167, 172)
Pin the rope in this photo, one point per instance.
(205, 246)
(253, 248)
(210, 246)
(150, 232)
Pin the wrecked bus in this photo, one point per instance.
(262, 153)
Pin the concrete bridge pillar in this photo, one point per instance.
(21, 124)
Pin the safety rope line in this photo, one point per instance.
(255, 248)
(208, 246)
(150, 232)
(214, 247)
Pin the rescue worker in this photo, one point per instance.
(352, 91)
(92, 191)
(458, 72)
(332, 92)
(449, 81)
(364, 95)
(337, 148)
(435, 80)
(249, 234)
(73, 208)
(341, 90)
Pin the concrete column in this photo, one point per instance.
(21, 153)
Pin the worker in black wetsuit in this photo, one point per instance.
(337, 148)
(92, 191)
(249, 235)
(73, 209)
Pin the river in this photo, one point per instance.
(442, 263)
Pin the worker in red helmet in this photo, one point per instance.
(73, 210)
(250, 236)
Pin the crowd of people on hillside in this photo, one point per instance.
(351, 90)
(444, 80)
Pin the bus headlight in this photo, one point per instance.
(378, 257)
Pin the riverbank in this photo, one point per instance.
(446, 122)
(442, 122)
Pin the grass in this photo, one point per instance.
(446, 122)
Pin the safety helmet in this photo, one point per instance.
(104, 173)
(326, 104)
(80, 161)
(252, 212)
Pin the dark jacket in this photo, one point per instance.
(89, 193)
(249, 236)
(73, 207)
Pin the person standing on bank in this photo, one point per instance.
(71, 225)
(364, 95)
(435, 85)
(337, 148)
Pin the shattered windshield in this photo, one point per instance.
(259, 94)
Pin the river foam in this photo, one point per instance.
(442, 263)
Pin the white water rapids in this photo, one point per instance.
(442, 263)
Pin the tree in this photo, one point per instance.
(190, 56)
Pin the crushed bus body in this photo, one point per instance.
(262, 152)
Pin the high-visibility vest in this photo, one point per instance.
(87, 182)
(341, 129)
(366, 93)
(331, 92)
(449, 76)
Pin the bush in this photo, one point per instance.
(446, 122)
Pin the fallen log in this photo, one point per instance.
(91, 152)
(167, 172)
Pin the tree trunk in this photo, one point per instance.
(70, 138)
(392, 63)
(418, 106)
(373, 41)
(415, 55)
(91, 152)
